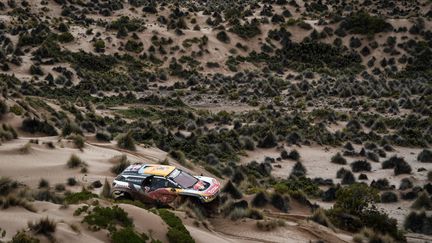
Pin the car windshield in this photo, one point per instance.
(182, 178)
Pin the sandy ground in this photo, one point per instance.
(42, 162)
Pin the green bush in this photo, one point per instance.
(22, 237)
(128, 235)
(177, 232)
(363, 23)
(134, 46)
(65, 37)
(126, 141)
(76, 197)
(108, 218)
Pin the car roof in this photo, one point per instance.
(156, 169)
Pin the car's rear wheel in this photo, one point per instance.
(119, 195)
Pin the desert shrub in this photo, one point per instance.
(348, 178)
(71, 181)
(128, 235)
(106, 190)
(279, 202)
(392, 162)
(108, 218)
(422, 202)
(79, 141)
(429, 175)
(75, 162)
(103, 136)
(419, 223)
(298, 170)
(71, 128)
(59, 187)
(320, 217)
(362, 177)
(44, 226)
(65, 37)
(177, 232)
(260, 199)
(370, 235)
(33, 125)
(402, 168)
(363, 23)
(232, 190)
(16, 201)
(22, 237)
(120, 166)
(237, 213)
(134, 46)
(4, 108)
(99, 46)
(43, 183)
(269, 224)
(76, 197)
(338, 159)
(406, 183)
(7, 186)
(389, 197)
(269, 141)
(222, 36)
(381, 184)
(341, 172)
(126, 141)
(247, 30)
(294, 155)
(425, 156)
(360, 165)
(372, 156)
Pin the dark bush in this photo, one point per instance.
(338, 159)
(269, 141)
(419, 223)
(294, 155)
(360, 165)
(425, 156)
(126, 141)
(381, 184)
(3, 108)
(103, 136)
(232, 190)
(406, 183)
(260, 199)
(363, 23)
(348, 178)
(35, 126)
(389, 197)
(422, 202)
(222, 36)
(298, 170)
(279, 202)
(44, 226)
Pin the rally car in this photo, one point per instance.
(162, 184)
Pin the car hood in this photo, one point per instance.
(206, 186)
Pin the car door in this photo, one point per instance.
(162, 191)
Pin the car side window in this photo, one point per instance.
(158, 183)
